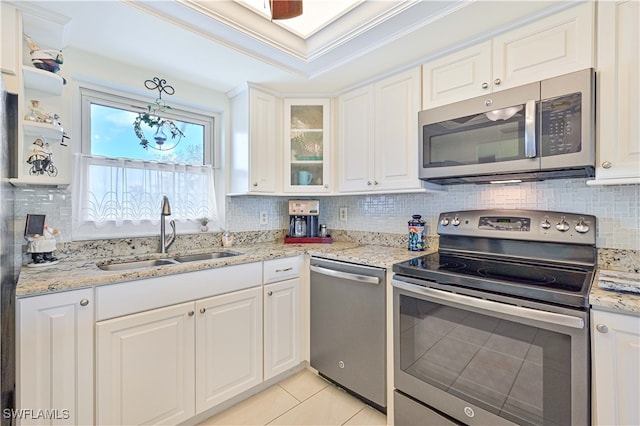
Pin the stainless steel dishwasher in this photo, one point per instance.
(348, 327)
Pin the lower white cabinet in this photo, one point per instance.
(165, 365)
(145, 367)
(616, 368)
(228, 346)
(54, 338)
(282, 322)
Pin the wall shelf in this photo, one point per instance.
(42, 81)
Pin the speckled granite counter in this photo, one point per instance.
(73, 274)
(614, 301)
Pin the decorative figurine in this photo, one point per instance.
(41, 244)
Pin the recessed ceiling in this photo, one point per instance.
(223, 44)
(316, 15)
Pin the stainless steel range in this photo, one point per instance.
(493, 328)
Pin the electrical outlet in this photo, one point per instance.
(264, 218)
(343, 214)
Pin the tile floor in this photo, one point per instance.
(302, 399)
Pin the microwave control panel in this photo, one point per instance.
(561, 125)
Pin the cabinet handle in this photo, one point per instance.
(203, 310)
(190, 313)
(497, 82)
(607, 164)
(285, 269)
(485, 85)
(84, 302)
(269, 293)
(602, 328)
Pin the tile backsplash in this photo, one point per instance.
(616, 208)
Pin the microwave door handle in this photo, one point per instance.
(530, 129)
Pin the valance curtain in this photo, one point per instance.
(119, 191)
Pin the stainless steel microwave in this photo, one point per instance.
(538, 131)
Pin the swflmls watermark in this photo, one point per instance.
(36, 414)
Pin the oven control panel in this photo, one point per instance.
(533, 225)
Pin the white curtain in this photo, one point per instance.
(119, 192)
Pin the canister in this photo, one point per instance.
(416, 233)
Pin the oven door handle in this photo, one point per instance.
(488, 305)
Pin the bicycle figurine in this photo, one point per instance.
(40, 160)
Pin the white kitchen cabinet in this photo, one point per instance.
(282, 316)
(54, 353)
(145, 367)
(9, 51)
(307, 145)
(228, 346)
(616, 368)
(256, 153)
(552, 46)
(378, 138)
(618, 93)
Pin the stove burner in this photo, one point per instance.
(525, 275)
(437, 262)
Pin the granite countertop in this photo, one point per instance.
(606, 295)
(82, 273)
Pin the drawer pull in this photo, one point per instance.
(84, 302)
(285, 269)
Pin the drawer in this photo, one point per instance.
(282, 269)
(126, 298)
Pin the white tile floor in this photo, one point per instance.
(302, 399)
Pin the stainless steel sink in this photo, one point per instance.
(205, 256)
(137, 264)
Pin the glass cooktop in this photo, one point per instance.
(533, 281)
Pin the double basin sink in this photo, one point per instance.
(176, 260)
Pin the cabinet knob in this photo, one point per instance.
(485, 85)
(269, 293)
(602, 328)
(488, 102)
(190, 313)
(255, 183)
(326, 185)
(497, 82)
(369, 182)
(203, 310)
(606, 164)
(375, 182)
(84, 302)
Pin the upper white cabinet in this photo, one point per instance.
(256, 154)
(54, 357)
(307, 145)
(556, 45)
(618, 93)
(616, 368)
(9, 52)
(378, 135)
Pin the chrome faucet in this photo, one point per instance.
(165, 243)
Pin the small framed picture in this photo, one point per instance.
(34, 225)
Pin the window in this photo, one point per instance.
(119, 185)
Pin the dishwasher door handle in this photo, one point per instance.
(345, 275)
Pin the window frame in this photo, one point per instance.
(89, 96)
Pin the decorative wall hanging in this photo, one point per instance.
(156, 124)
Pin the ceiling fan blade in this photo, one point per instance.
(285, 9)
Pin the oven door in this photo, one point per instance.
(482, 361)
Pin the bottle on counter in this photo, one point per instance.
(227, 239)
(417, 233)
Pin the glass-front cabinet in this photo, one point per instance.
(307, 141)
